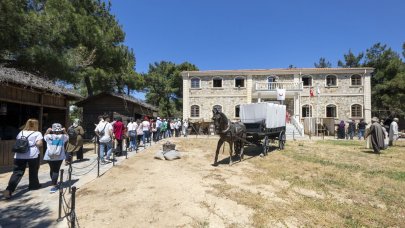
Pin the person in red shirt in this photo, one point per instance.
(118, 129)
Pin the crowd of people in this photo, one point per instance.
(379, 136)
(60, 144)
(117, 136)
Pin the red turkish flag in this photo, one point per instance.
(311, 92)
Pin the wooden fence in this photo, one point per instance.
(6, 155)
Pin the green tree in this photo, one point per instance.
(76, 41)
(164, 86)
(387, 82)
(351, 60)
(323, 63)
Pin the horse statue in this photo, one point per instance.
(232, 133)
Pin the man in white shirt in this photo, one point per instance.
(158, 126)
(132, 134)
(394, 133)
(104, 131)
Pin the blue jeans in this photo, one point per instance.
(132, 139)
(145, 136)
(361, 133)
(107, 145)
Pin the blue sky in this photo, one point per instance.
(256, 34)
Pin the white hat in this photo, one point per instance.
(56, 127)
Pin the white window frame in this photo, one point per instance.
(191, 83)
(310, 110)
(311, 81)
(326, 80)
(218, 78)
(244, 82)
(361, 111)
(336, 110)
(351, 79)
(270, 83)
(191, 111)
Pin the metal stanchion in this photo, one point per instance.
(70, 176)
(72, 208)
(60, 196)
(98, 161)
(113, 157)
(293, 134)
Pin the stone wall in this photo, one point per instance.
(343, 105)
(343, 95)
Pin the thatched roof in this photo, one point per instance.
(30, 81)
(120, 96)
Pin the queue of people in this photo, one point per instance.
(117, 136)
(29, 142)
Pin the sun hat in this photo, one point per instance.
(56, 127)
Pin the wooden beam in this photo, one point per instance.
(33, 104)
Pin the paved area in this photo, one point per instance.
(39, 208)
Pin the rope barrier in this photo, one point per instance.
(86, 172)
(86, 165)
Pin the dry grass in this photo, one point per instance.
(325, 183)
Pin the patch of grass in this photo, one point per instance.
(201, 224)
(341, 142)
(396, 175)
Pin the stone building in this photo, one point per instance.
(338, 93)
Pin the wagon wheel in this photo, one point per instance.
(281, 140)
(265, 145)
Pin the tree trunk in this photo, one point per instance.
(89, 87)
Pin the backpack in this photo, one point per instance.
(54, 149)
(22, 144)
(72, 132)
(102, 132)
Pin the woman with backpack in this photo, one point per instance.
(75, 144)
(55, 139)
(29, 140)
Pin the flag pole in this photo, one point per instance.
(317, 108)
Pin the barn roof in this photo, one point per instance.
(31, 81)
(120, 96)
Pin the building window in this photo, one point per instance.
(356, 80)
(307, 81)
(237, 111)
(239, 82)
(218, 107)
(357, 110)
(195, 83)
(217, 82)
(331, 80)
(306, 111)
(195, 111)
(271, 81)
(331, 111)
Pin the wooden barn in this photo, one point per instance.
(114, 105)
(23, 96)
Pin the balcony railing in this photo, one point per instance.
(272, 86)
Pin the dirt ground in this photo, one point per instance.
(310, 183)
(146, 192)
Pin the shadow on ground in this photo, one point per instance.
(24, 213)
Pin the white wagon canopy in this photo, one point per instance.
(273, 114)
